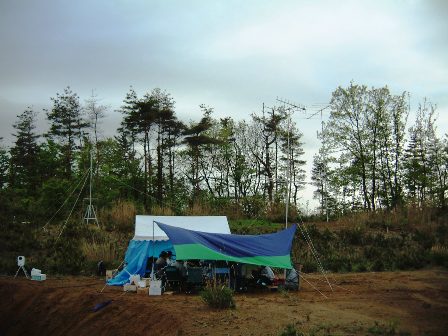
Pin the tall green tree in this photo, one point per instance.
(4, 166)
(24, 153)
(196, 138)
(425, 164)
(291, 157)
(269, 127)
(95, 113)
(67, 125)
(151, 121)
(366, 129)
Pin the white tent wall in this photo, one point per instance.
(211, 224)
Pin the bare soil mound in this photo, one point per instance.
(413, 302)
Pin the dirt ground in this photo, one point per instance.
(413, 303)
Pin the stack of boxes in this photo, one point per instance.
(36, 274)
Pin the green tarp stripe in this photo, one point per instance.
(198, 251)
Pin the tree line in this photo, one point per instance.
(154, 160)
(368, 158)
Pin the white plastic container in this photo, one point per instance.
(36, 271)
(155, 288)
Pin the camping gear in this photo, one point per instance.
(21, 264)
(147, 243)
(142, 291)
(110, 274)
(155, 288)
(142, 284)
(40, 277)
(267, 249)
(173, 277)
(195, 278)
(134, 279)
(36, 275)
(129, 288)
(36, 271)
(147, 281)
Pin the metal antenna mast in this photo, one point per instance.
(291, 108)
(90, 214)
(323, 176)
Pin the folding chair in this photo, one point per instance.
(222, 274)
(173, 278)
(194, 278)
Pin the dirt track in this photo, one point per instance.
(417, 302)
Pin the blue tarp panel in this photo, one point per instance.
(136, 258)
(266, 249)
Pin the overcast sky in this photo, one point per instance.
(231, 55)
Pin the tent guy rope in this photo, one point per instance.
(313, 251)
(71, 211)
(65, 201)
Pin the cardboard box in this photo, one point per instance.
(130, 288)
(142, 291)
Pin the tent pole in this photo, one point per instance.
(153, 253)
(288, 178)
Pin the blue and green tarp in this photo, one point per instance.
(267, 249)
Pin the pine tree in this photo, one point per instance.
(196, 138)
(67, 126)
(4, 166)
(24, 153)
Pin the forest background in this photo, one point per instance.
(380, 179)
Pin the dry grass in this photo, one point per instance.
(199, 209)
(440, 250)
(276, 213)
(94, 252)
(162, 211)
(120, 216)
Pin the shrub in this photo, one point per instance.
(253, 206)
(291, 330)
(389, 329)
(67, 256)
(218, 296)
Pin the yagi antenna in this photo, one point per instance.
(291, 105)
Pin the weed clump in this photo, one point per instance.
(218, 296)
(291, 330)
(389, 329)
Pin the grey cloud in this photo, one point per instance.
(181, 46)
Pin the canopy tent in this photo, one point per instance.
(268, 249)
(149, 240)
